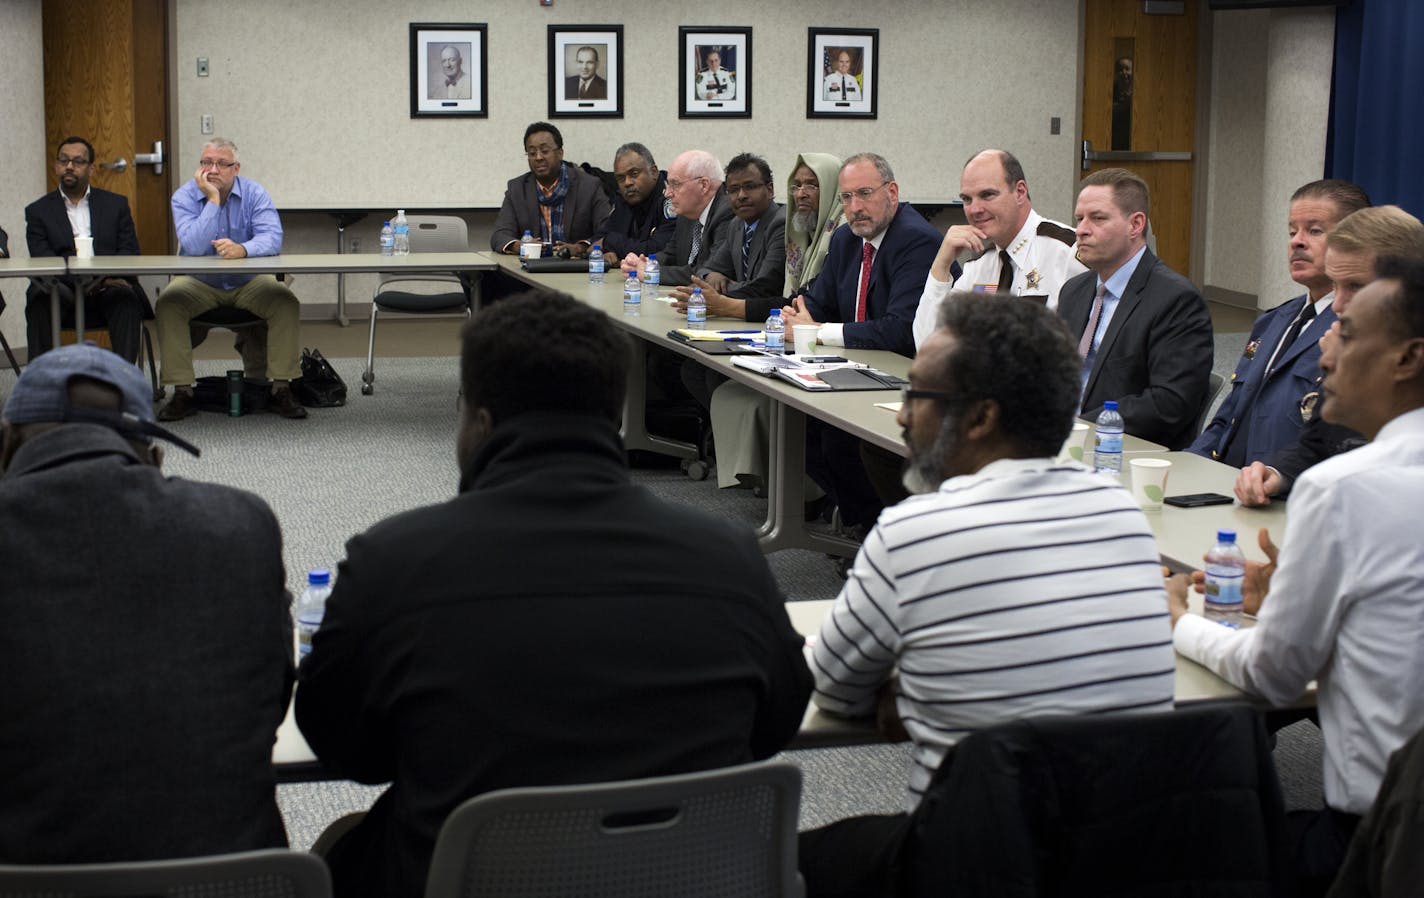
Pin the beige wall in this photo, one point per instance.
(22, 143)
(1270, 103)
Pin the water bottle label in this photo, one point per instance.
(775, 340)
(1109, 442)
(1223, 588)
(652, 276)
(595, 265)
(696, 315)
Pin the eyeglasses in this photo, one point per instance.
(734, 189)
(809, 187)
(539, 152)
(62, 162)
(216, 163)
(863, 194)
(678, 185)
(906, 394)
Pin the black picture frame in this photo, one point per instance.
(835, 93)
(568, 44)
(430, 44)
(725, 96)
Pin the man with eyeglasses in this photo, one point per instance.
(970, 604)
(642, 220)
(1015, 251)
(221, 214)
(864, 298)
(557, 202)
(694, 192)
(53, 222)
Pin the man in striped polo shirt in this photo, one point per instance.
(1012, 586)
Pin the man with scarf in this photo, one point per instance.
(740, 415)
(557, 202)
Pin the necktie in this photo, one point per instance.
(1006, 272)
(1086, 343)
(843, 96)
(1306, 315)
(583, 89)
(867, 255)
(696, 242)
(748, 233)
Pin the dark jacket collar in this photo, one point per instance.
(67, 444)
(540, 443)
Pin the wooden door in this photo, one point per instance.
(1139, 98)
(106, 79)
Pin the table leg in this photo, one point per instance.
(340, 276)
(54, 312)
(635, 402)
(785, 525)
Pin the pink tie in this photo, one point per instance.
(1086, 343)
(866, 255)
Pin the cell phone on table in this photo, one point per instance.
(825, 359)
(1198, 500)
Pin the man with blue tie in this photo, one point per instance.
(1143, 330)
(1281, 363)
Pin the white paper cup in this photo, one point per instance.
(1074, 447)
(1149, 481)
(84, 247)
(804, 337)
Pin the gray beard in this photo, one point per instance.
(924, 471)
(805, 222)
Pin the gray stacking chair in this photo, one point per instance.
(727, 833)
(428, 234)
(276, 873)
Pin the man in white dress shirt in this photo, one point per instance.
(1345, 604)
(840, 85)
(1017, 250)
(715, 82)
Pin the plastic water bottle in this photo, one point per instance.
(1107, 456)
(652, 278)
(530, 247)
(401, 233)
(696, 310)
(595, 264)
(775, 332)
(311, 608)
(632, 295)
(388, 240)
(1225, 573)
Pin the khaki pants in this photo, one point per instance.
(185, 298)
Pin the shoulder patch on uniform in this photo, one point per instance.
(667, 209)
(1057, 232)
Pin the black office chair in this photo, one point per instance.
(253, 874)
(5, 344)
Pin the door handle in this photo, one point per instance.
(1091, 155)
(119, 165)
(154, 159)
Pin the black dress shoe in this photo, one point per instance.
(180, 406)
(285, 403)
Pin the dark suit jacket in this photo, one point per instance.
(453, 660)
(766, 275)
(48, 233)
(897, 278)
(1262, 414)
(585, 208)
(1156, 355)
(676, 269)
(147, 643)
(597, 89)
(644, 229)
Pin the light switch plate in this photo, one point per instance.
(207, 123)
(202, 66)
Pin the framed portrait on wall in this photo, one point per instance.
(842, 82)
(714, 72)
(448, 70)
(586, 70)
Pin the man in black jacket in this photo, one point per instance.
(641, 222)
(52, 223)
(553, 623)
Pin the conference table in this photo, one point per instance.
(86, 271)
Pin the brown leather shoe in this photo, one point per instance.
(180, 406)
(285, 403)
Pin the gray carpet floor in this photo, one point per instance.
(343, 469)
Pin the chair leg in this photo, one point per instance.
(158, 391)
(368, 377)
(14, 363)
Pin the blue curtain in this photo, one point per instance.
(1376, 134)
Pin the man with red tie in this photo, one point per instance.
(865, 298)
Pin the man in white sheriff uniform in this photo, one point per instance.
(841, 84)
(715, 82)
(1017, 251)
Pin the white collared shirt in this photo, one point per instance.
(78, 214)
(1048, 260)
(1346, 608)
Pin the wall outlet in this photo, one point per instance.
(202, 66)
(1055, 125)
(207, 121)
(355, 244)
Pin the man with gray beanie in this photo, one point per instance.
(143, 687)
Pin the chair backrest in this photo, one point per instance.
(438, 234)
(722, 833)
(276, 873)
(1214, 386)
